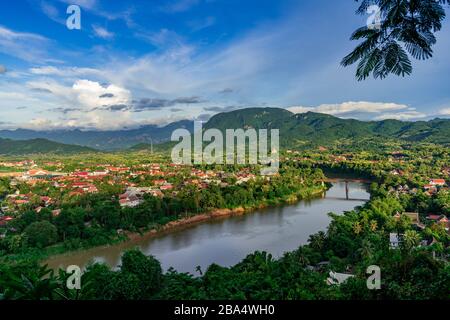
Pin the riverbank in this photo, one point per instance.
(229, 235)
(192, 220)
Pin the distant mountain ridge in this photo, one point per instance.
(34, 146)
(295, 130)
(102, 140)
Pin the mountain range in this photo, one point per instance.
(317, 128)
(295, 130)
(102, 140)
(23, 147)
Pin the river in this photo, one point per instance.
(227, 241)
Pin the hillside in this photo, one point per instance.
(315, 128)
(102, 140)
(295, 130)
(22, 147)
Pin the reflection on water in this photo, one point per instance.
(228, 241)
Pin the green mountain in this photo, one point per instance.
(296, 130)
(321, 129)
(102, 140)
(22, 147)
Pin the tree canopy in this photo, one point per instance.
(406, 28)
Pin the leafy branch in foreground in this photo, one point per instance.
(406, 28)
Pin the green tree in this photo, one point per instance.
(411, 239)
(41, 234)
(406, 29)
(146, 269)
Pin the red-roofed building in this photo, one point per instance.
(36, 173)
(166, 186)
(434, 217)
(4, 220)
(82, 174)
(437, 182)
(159, 182)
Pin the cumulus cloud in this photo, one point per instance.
(87, 101)
(88, 94)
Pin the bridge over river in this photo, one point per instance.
(346, 196)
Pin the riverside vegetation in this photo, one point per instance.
(417, 269)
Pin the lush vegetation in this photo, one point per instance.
(418, 269)
(311, 129)
(400, 29)
(300, 131)
(102, 140)
(23, 147)
(97, 219)
(355, 240)
(401, 172)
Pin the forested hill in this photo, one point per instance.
(295, 130)
(22, 147)
(102, 140)
(317, 128)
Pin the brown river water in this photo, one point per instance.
(227, 241)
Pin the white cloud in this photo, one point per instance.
(407, 115)
(89, 94)
(52, 12)
(53, 87)
(86, 94)
(26, 46)
(351, 107)
(38, 124)
(86, 104)
(65, 72)
(95, 7)
(445, 112)
(102, 32)
(85, 4)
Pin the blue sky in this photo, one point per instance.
(140, 62)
